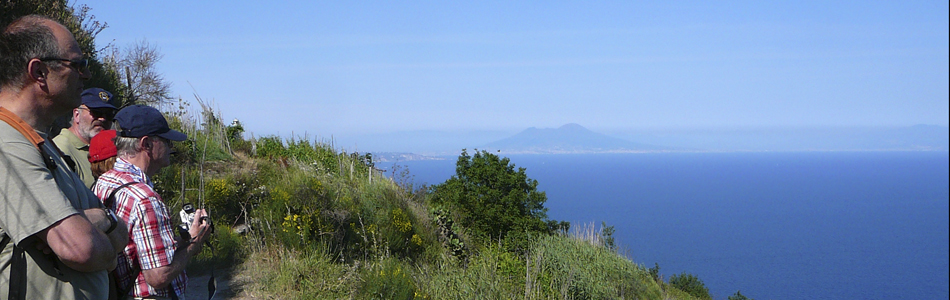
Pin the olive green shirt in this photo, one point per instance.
(78, 150)
(32, 198)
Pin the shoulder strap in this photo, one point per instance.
(21, 126)
(18, 260)
(110, 201)
(17, 269)
(4, 239)
(17, 275)
(30, 134)
(66, 158)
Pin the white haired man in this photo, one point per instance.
(153, 263)
(93, 116)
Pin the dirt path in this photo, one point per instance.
(229, 287)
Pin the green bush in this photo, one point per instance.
(491, 199)
(271, 147)
(739, 296)
(690, 284)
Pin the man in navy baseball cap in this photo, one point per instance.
(97, 98)
(139, 120)
(91, 117)
(154, 263)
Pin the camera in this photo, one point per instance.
(187, 215)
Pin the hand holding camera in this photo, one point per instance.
(196, 226)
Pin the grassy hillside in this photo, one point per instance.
(324, 224)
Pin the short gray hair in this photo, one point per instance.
(26, 38)
(127, 146)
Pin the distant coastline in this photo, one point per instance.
(528, 152)
(402, 157)
(575, 139)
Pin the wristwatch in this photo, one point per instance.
(113, 221)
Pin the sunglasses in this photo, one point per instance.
(79, 64)
(167, 142)
(104, 113)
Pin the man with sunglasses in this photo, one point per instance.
(56, 240)
(152, 266)
(94, 115)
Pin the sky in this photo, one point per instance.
(347, 68)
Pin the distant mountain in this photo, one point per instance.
(570, 138)
(424, 142)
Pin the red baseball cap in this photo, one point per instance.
(102, 146)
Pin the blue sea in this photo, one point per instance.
(796, 225)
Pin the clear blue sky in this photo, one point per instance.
(360, 67)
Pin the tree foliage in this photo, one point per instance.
(492, 199)
(136, 64)
(690, 284)
(84, 27)
(739, 296)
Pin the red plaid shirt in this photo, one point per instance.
(151, 235)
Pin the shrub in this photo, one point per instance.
(739, 296)
(490, 198)
(691, 285)
(271, 147)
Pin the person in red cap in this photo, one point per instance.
(102, 152)
(91, 117)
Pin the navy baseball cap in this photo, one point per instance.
(97, 98)
(140, 120)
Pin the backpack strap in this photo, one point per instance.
(109, 202)
(17, 287)
(17, 269)
(21, 126)
(4, 240)
(66, 158)
(121, 292)
(30, 134)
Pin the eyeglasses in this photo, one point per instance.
(165, 141)
(104, 113)
(79, 64)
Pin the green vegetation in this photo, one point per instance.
(494, 202)
(297, 219)
(84, 27)
(690, 284)
(738, 296)
(326, 224)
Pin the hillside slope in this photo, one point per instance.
(326, 225)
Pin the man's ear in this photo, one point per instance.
(37, 70)
(145, 142)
